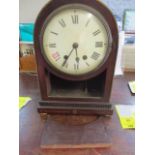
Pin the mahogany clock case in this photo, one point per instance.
(95, 87)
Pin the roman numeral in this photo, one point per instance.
(66, 65)
(62, 23)
(54, 33)
(52, 45)
(76, 66)
(87, 23)
(95, 56)
(87, 64)
(99, 44)
(75, 19)
(56, 56)
(96, 32)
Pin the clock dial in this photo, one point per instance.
(75, 40)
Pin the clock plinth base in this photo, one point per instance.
(73, 108)
(58, 135)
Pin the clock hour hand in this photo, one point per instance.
(75, 46)
(67, 57)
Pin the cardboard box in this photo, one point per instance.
(27, 57)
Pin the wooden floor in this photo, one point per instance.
(31, 126)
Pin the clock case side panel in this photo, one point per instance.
(44, 71)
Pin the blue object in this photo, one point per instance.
(26, 32)
(129, 40)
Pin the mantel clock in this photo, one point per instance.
(76, 47)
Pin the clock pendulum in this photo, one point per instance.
(76, 47)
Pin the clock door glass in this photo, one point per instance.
(75, 39)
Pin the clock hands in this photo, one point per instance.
(67, 57)
(75, 46)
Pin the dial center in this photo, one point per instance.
(75, 45)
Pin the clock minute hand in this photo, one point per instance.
(67, 57)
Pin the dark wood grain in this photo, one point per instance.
(31, 125)
(62, 135)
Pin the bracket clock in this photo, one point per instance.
(76, 46)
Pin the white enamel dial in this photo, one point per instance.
(75, 40)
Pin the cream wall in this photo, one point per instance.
(29, 9)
